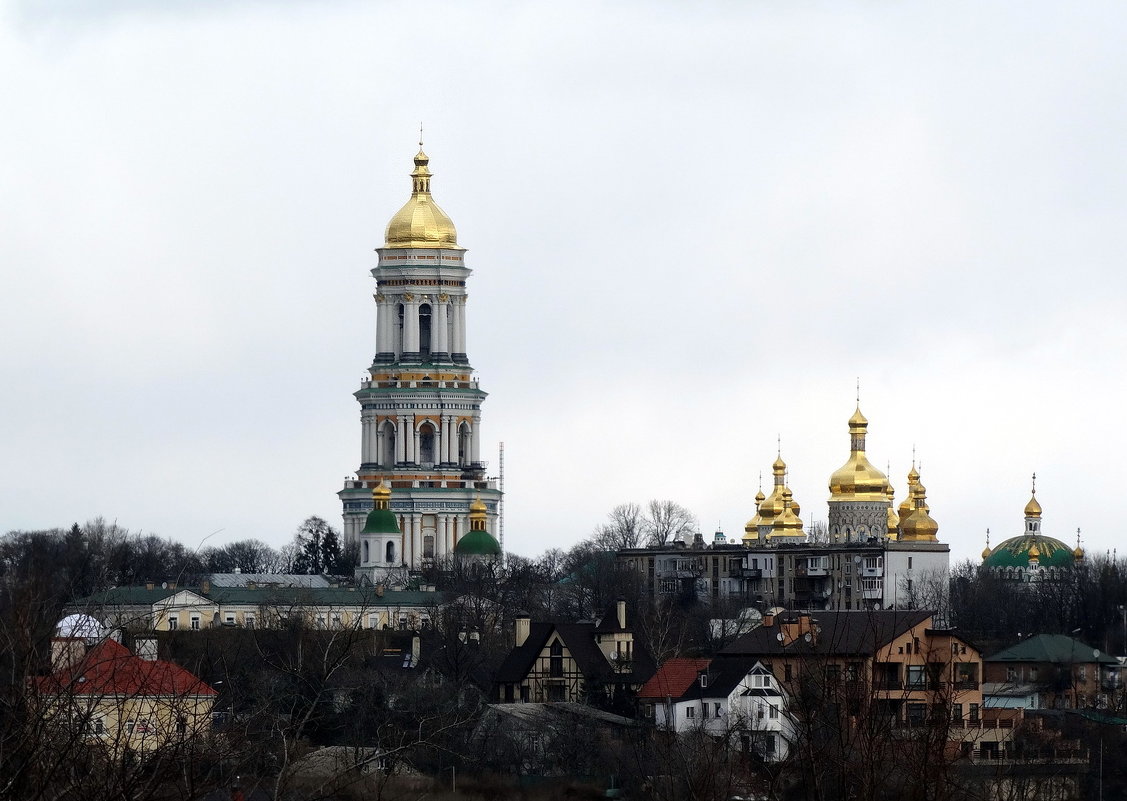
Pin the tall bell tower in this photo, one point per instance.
(420, 405)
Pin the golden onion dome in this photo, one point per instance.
(1034, 552)
(986, 551)
(913, 479)
(751, 528)
(787, 524)
(1033, 508)
(1078, 553)
(421, 223)
(858, 479)
(893, 519)
(772, 506)
(919, 526)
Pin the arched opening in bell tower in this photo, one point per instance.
(389, 553)
(426, 445)
(463, 444)
(387, 445)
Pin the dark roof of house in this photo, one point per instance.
(1054, 648)
(840, 633)
(109, 668)
(579, 638)
(723, 677)
(673, 678)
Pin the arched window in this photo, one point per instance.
(426, 444)
(387, 444)
(428, 546)
(424, 330)
(366, 552)
(390, 553)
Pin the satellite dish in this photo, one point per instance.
(779, 636)
(857, 560)
(807, 636)
(614, 656)
(164, 585)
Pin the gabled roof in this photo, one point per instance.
(579, 639)
(109, 668)
(724, 675)
(859, 633)
(1054, 648)
(673, 678)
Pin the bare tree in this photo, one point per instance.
(624, 529)
(668, 521)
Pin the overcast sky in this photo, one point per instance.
(692, 227)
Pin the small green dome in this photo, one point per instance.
(381, 521)
(477, 543)
(1016, 551)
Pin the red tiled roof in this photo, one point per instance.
(673, 678)
(109, 668)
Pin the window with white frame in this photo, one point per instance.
(249, 619)
(173, 622)
(195, 622)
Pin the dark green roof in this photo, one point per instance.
(1055, 648)
(1014, 552)
(380, 521)
(478, 543)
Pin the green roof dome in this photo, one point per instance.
(380, 521)
(1016, 552)
(478, 543)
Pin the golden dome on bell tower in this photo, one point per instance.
(421, 223)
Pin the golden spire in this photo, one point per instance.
(421, 223)
(1033, 508)
(986, 550)
(1079, 552)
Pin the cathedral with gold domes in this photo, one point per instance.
(420, 404)
(872, 555)
(1032, 556)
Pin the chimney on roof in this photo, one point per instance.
(146, 648)
(621, 609)
(768, 620)
(205, 586)
(66, 651)
(521, 625)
